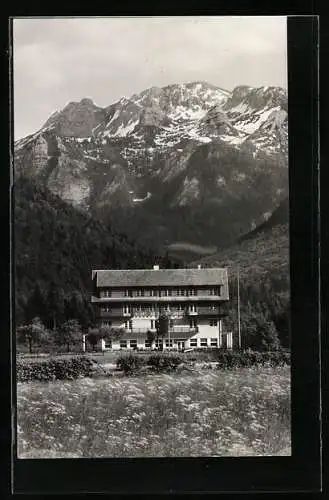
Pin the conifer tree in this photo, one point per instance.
(36, 304)
(267, 334)
(55, 306)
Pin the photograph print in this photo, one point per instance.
(151, 237)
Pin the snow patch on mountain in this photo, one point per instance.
(114, 117)
(80, 139)
(233, 139)
(138, 200)
(193, 134)
(240, 108)
(182, 112)
(123, 130)
(96, 158)
(251, 126)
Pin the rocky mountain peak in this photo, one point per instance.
(256, 98)
(175, 99)
(77, 119)
(167, 155)
(86, 101)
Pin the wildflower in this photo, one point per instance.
(237, 413)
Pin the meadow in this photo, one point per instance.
(242, 412)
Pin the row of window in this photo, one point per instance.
(204, 342)
(162, 292)
(124, 344)
(128, 309)
(128, 325)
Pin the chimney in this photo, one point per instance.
(156, 267)
(199, 266)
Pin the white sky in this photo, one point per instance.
(57, 60)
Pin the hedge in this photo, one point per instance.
(238, 359)
(54, 369)
(133, 363)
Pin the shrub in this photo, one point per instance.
(199, 355)
(130, 363)
(54, 369)
(163, 362)
(238, 359)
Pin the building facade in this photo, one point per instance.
(132, 300)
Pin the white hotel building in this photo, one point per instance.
(132, 300)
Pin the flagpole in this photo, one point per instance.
(239, 323)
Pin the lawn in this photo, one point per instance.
(244, 412)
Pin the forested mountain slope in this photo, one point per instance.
(57, 245)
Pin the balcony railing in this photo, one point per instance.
(208, 310)
(184, 329)
(139, 330)
(158, 292)
(198, 311)
(172, 299)
(171, 330)
(113, 313)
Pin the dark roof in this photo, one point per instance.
(160, 277)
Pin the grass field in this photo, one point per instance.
(214, 413)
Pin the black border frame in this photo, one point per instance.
(301, 471)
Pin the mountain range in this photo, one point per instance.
(186, 166)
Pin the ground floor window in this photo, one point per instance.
(214, 342)
(147, 343)
(133, 344)
(203, 342)
(108, 344)
(123, 344)
(168, 343)
(213, 322)
(193, 342)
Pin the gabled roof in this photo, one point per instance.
(160, 277)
